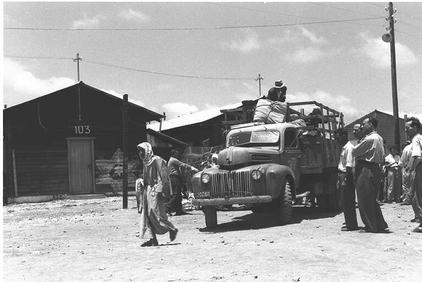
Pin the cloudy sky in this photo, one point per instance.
(180, 58)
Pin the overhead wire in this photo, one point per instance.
(195, 28)
(133, 69)
(167, 74)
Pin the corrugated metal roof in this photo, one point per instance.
(193, 118)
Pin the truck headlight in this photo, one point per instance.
(205, 178)
(256, 174)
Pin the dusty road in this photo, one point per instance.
(95, 240)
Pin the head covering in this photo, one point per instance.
(356, 126)
(279, 84)
(149, 154)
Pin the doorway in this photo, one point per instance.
(81, 165)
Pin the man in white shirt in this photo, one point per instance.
(413, 129)
(392, 189)
(346, 183)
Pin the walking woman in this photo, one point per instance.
(153, 217)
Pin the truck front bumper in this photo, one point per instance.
(231, 201)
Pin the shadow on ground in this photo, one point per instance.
(266, 220)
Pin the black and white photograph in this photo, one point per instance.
(212, 141)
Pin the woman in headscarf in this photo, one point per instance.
(153, 217)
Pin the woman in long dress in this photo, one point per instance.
(153, 216)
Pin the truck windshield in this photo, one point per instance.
(254, 138)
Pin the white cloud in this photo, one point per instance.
(133, 15)
(311, 36)
(338, 102)
(173, 110)
(87, 22)
(378, 52)
(21, 85)
(306, 54)
(244, 45)
(287, 36)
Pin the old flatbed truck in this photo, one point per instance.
(264, 166)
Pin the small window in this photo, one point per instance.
(290, 138)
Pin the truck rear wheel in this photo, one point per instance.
(284, 207)
(210, 216)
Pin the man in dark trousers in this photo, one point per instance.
(369, 154)
(346, 181)
(413, 129)
(175, 166)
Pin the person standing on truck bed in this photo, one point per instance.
(369, 154)
(278, 92)
(346, 181)
(175, 166)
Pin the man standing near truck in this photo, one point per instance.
(175, 166)
(369, 155)
(346, 181)
(413, 129)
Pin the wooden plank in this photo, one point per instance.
(15, 180)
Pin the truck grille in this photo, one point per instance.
(231, 184)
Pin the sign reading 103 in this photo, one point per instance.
(82, 129)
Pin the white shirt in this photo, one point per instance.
(346, 156)
(417, 146)
(370, 149)
(406, 156)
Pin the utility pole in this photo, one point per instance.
(390, 37)
(125, 153)
(77, 64)
(259, 83)
(79, 88)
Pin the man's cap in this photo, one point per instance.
(356, 126)
(279, 84)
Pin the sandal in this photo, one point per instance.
(150, 242)
(173, 234)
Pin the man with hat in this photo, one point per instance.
(278, 92)
(346, 183)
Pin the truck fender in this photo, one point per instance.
(276, 176)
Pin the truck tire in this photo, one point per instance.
(284, 209)
(210, 216)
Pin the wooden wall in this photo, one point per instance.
(40, 172)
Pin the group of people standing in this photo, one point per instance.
(360, 169)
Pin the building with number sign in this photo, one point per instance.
(70, 142)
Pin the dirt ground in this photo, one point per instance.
(96, 240)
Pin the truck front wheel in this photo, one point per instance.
(284, 209)
(210, 216)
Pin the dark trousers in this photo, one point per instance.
(367, 184)
(347, 192)
(175, 202)
(417, 197)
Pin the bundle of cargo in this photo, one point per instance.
(268, 111)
